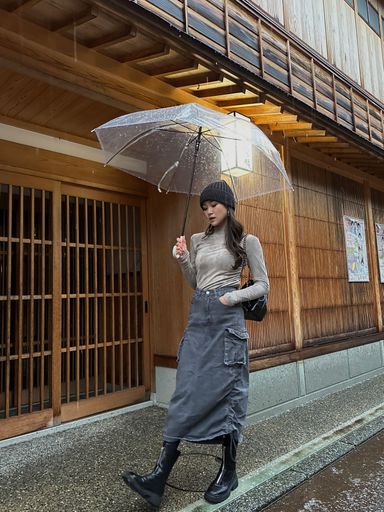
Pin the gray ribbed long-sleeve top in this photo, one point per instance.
(208, 265)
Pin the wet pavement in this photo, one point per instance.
(355, 483)
(78, 469)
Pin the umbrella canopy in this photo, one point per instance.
(189, 146)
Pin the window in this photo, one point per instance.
(362, 9)
(373, 16)
(370, 15)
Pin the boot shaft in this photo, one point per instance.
(167, 459)
(229, 452)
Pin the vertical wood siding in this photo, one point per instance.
(341, 36)
(263, 217)
(273, 7)
(331, 305)
(371, 56)
(306, 20)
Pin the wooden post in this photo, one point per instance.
(372, 254)
(56, 306)
(261, 50)
(290, 79)
(369, 120)
(294, 306)
(314, 83)
(335, 98)
(226, 24)
(352, 109)
(186, 22)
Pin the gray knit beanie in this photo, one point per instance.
(218, 191)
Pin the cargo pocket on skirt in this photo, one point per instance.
(235, 347)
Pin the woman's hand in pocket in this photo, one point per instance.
(224, 301)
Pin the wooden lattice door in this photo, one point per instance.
(103, 354)
(27, 239)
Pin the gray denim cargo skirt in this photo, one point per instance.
(212, 377)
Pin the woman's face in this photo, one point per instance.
(215, 213)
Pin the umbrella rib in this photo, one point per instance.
(213, 145)
(175, 165)
(134, 139)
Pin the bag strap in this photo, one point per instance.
(245, 258)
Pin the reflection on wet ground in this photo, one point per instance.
(354, 483)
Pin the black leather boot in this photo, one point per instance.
(151, 486)
(226, 479)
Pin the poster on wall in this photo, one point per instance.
(357, 259)
(379, 228)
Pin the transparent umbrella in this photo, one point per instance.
(184, 148)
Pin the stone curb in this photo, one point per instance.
(262, 487)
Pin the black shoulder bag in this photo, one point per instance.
(254, 309)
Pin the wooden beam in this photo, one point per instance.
(357, 158)
(236, 103)
(47, 55)
(333, 145)
(175, 68)
(306, 140)
(148, 54)
(274, 119)
(255, 110)
(26, 125)
(319, 159)
(219, 91)
(20, 5)
(112, 39)
(308, 352)
(81, 18)
(291, 126)
(207, 77)
(304, 133)
(341, 151)
(17, 425)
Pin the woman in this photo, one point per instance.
(210, 400)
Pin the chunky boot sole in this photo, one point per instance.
(149, 496)
(221, 497)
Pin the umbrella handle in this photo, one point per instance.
(197, 146)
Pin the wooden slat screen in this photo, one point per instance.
(330, 304)
(102, 290)
(263, 217)
(378, 217)
(25, 299)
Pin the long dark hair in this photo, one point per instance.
(234, 233)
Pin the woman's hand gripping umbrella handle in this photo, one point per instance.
(180, 247)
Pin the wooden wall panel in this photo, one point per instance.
(273, 7)
(39, 162)
(170, 294)
(306, 20)
(263, 217)
(331, 306)
(341, 36)
(371, 59)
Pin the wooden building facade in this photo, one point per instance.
(91, 301)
